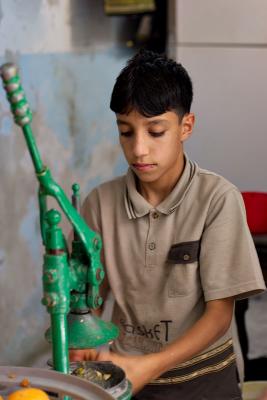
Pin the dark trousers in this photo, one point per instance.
(221, 385)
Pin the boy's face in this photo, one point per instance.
(153, 147)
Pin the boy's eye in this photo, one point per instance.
(157, 134)
(127, 133)
(153, 134)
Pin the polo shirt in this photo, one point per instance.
(164, 263)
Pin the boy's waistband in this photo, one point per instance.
(212, 361)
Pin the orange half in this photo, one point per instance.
(28, 394)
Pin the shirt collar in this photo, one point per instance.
(137, 206)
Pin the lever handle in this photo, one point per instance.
(15, 94)
(20, 109)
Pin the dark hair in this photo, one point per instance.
(152, 84)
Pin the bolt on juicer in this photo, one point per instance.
(70, 281)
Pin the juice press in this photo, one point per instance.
(71, 281)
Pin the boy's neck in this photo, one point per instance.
(157, 191)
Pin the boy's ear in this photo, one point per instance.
(188, 122)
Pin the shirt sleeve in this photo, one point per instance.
(229, 264)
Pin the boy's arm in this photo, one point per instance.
(210, 327)
(141, 370)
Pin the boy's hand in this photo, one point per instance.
(139, 370)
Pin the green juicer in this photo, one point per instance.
(70, 281)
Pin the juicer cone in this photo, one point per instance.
(87, 331)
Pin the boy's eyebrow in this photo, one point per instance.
(120, 122)
(158, 121)
(153, 122)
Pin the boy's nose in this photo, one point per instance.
(140, 147)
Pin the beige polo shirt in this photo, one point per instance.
(163, 263)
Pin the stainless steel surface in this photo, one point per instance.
(52, 381)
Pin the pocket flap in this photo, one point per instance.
(184, 253)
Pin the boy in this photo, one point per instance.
(176, 247)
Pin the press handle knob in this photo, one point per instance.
(19, 106)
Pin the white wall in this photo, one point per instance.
(223, 45)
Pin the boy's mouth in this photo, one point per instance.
(143, 166)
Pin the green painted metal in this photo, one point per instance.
(59, 333)
(86, 328)
(56, 293)
(54, 236)
(42, 211)
(36, 159)
(90, 240)
(70, 282)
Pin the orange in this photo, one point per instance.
(28, 394)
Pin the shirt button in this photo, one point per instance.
(152, 246)
(186, 257)
(155, 215)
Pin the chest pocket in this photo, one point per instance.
(183, 271)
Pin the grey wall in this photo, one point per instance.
(223, 44)
(69, 55)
